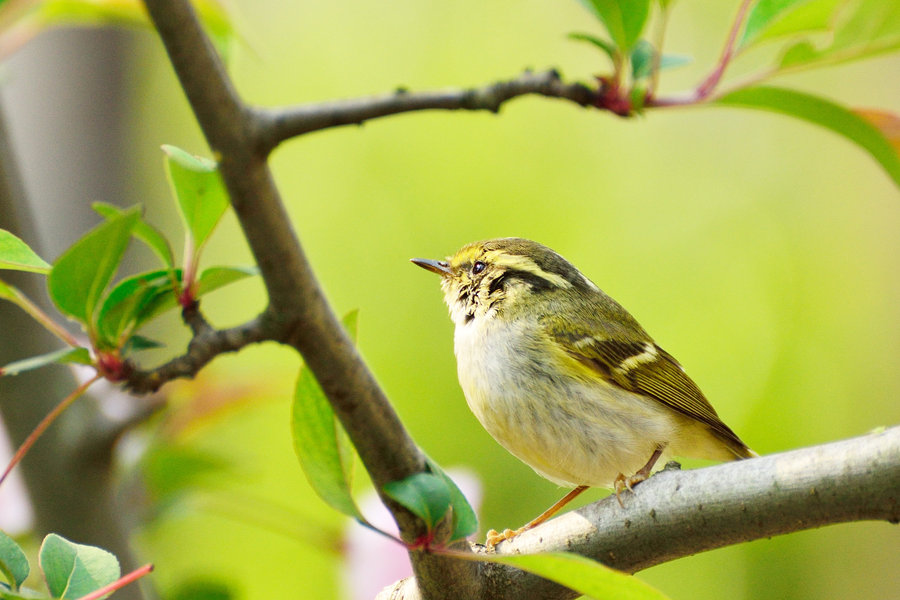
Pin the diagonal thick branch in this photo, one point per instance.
(678, 513)
(298, 313)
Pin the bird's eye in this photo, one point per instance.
(478, 267)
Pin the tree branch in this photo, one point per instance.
(678, 513)
(298, 312)
(206, 344)
(279, 124)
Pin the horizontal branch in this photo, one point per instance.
(276, 125)
(206, 344)
(677, 513)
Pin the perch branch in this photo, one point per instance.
(678, 513)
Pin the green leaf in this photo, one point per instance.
(218, 25)
(143, 231)
(127, 305)
(16, 255)
(171, 470)
(604, 45)
(868, 28)
(465, 522)
(426, 495)
(80, 276)
(13, 562)
(873, 28)
(319, 440)
(66, 355)
(642, 57)
(623, 19)
(802, 52)
(139, 298)
(581, 574)
(821, 112)
(201, 588)
(807, 16)
(672, 61)
(136, 343)
(73, 570)
(210, 280)
(198, 187)
(638, 96)
(23, 594)
(213, 278)
(763, 14)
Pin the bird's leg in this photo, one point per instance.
(494, 538)
(643, 473)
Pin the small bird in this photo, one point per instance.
(565, 378)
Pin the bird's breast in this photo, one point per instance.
(496, 363)
(571, 429)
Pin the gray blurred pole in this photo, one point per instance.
(61, 147)
(66, 110)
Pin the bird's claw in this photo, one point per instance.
(494, 538)
(622, 483)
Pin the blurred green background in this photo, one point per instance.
(761, 251)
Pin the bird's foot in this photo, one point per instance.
(622, 483)
(494, 538)
(643, 473)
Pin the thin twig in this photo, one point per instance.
(119, 583)
(35, 312)
(661, 26)
(45, 423)
(193, 318)
(707, 87)
(207, 344)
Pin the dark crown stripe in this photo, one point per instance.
(536, 282)
(558, 265)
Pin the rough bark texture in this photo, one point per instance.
(679, 513)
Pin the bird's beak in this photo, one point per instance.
(435, 266)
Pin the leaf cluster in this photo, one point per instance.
(80, 282)
(810, 34)
(69, 570)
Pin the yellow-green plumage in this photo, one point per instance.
(561, 375)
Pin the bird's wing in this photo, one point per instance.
(640, 367)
